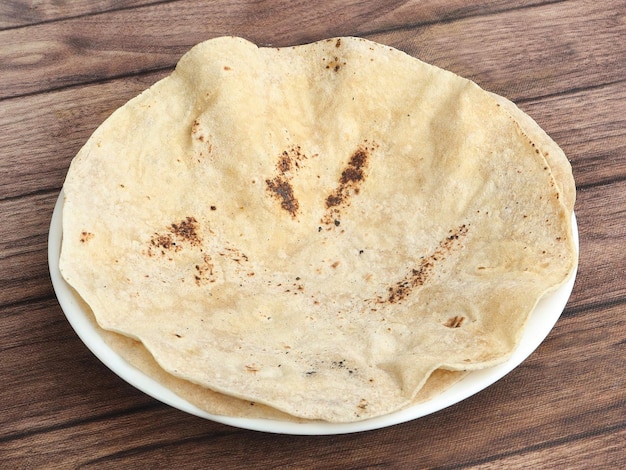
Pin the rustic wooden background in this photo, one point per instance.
(66, 65)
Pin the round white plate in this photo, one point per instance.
(539, 325)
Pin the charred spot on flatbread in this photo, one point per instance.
(418, 275)
(280, 186)
(352, 177)
(175, 237)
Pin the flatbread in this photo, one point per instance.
(318, 228)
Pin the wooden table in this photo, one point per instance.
(65, 66)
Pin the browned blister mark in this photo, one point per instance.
(85, 236)
(420, 274)
(454, 322)
(164, 241)
(254, 368)
(195, 126)
(335, 63)
(280, 186)
(177, 235)
(284, 163)
(234, 255)
(204, 271)
(206, 147)
(352, 177)
(187, 230)
(282, 190)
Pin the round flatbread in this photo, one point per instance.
(317, 228)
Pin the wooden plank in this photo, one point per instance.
(103, 441)
(603, 451)
(420, 12)
(590, 127)
(43, 132)
(49, 376)
(83, 50)
(526, 53)
(16, 13)
(23, 248)
(577, 358)
(602, 230)
(19, 13)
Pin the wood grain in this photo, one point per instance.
(602, 230)
(65, 66)
(590, 127)
(23, 243)
(606, 449)
(33, 126)
(56, 375)
(69, 52)
(16, 13)
(529, 67)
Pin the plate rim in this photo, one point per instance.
(539, 325)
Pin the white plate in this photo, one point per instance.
(539, 325)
